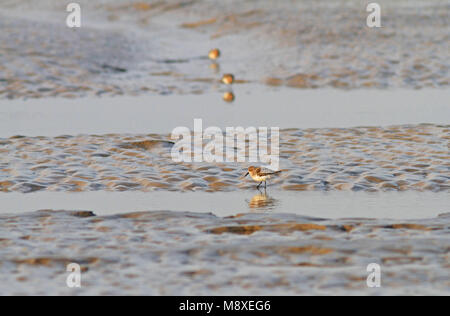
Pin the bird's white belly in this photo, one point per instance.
(260, 178)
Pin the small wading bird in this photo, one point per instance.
(228, 97)
(214, 54)
(228, 79)
(260, 175)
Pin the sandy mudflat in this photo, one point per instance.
(133, 48)
(398, 158)
(187, 253)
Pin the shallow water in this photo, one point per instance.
(332, 204)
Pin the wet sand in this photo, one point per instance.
(133, 48)
(395, 158)
(408, 205)
(161, 114)
(172, 253)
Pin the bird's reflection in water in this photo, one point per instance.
(215, 67)
(262, 202)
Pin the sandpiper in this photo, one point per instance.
(228, 79)
(228, 96)
(260, 175)
(214, 54)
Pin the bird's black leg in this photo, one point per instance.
(259, 185)
(265, 184)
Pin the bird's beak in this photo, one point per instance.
(247, 174)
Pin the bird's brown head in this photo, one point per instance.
(251, 169)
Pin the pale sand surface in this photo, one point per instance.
(408, 205)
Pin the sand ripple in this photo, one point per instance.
(396, 158)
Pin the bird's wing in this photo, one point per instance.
(268, 172)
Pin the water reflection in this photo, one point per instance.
(215, 67)
(262, 202)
